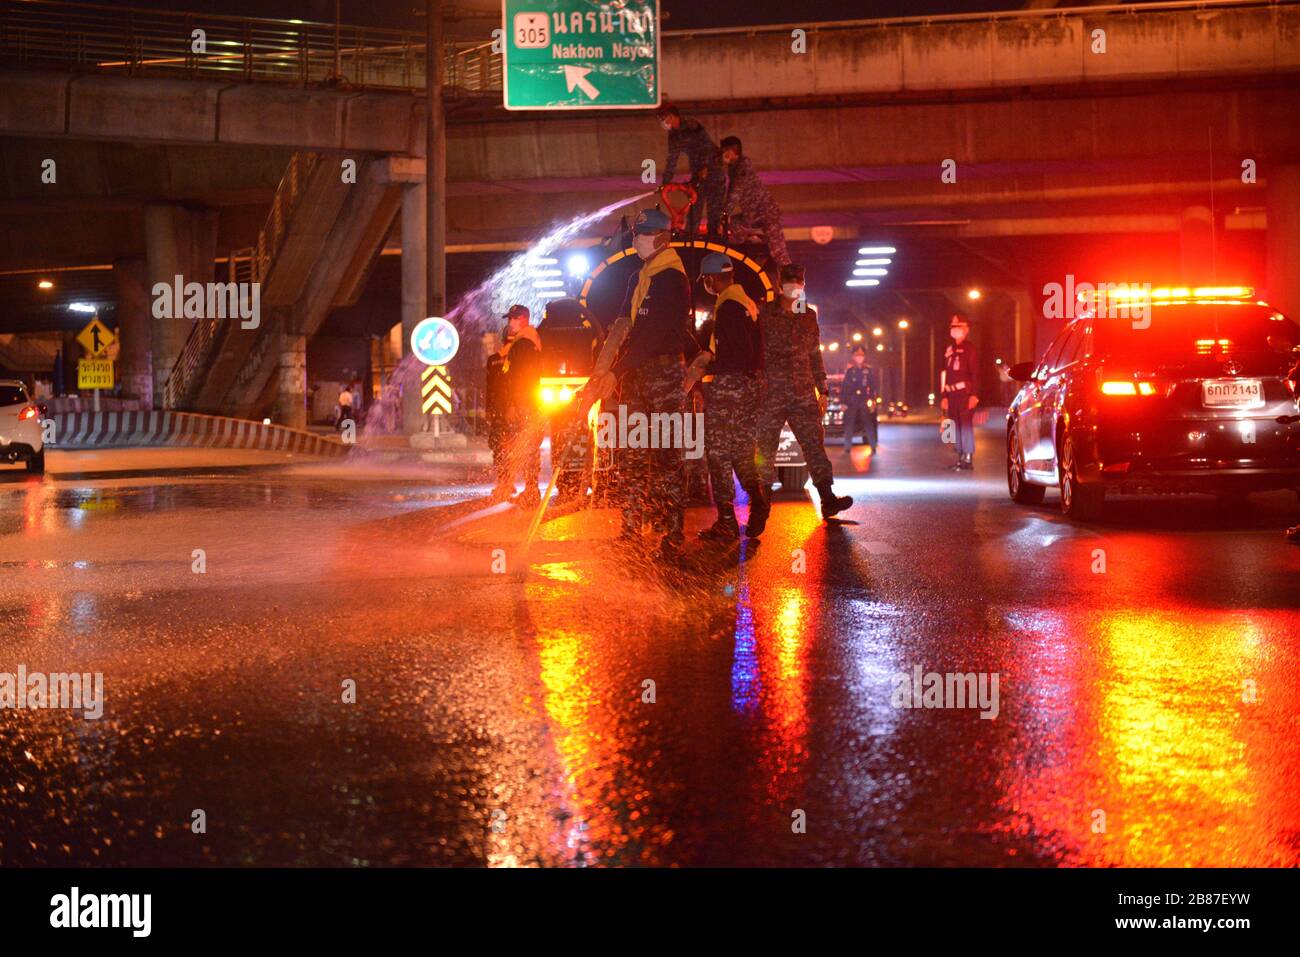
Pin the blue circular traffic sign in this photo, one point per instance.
(434, 341)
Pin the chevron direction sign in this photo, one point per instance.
(435, 390)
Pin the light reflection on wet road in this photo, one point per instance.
(503, 722)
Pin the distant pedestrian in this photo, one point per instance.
(959, 386)
(345, 409)
(857, 397)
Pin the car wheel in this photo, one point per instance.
(1022, 492)
(1082, 502)
(36, 464)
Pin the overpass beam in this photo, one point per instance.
(179, 241)
(1282, 255)
(415, 263)
(135, 332)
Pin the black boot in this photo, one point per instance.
(725, 529)
(832, 504)
(760, 507)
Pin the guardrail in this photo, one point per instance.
(134, 41)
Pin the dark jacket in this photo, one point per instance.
(692, 139)
(664, 325)
(858, 386)
(961, 368)
(523, 369)
(737, 341)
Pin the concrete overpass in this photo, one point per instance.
(1052, 134)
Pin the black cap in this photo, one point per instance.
(792, 272)
(518, 310)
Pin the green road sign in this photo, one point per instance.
(581, 54)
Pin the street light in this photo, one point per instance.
(902, 358)
(973, 294)
(880, 347)
(877, 331)
(834, 346)
(857, 337)
(45, 284)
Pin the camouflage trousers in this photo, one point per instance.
(730, 434)
(783, 403)
(653, 480)
(712, 192)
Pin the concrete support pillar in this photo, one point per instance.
(178, 242)
(291, 396)
(135, 331)
(414, 276)
(1282, 255)
(1025, 312)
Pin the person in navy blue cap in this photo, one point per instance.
(644, 357)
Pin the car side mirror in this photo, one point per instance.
(1021, 372)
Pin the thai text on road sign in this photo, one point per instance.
(581, 54)
(94, 373)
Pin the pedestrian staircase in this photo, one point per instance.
(321, 238)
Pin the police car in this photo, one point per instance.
(20, 427)
(1166, 390)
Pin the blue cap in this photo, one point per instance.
(652, 221)
(715, 264)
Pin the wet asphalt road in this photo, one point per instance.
(1147, 713)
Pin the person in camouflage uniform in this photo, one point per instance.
(751, 210)
(652, 337)
(707, 174)
(796, 387)
(732, 390)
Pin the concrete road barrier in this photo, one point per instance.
(95, 430)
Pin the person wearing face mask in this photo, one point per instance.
(644, 357)
(959, 387)
(708, 174)
(857, 392)
(521, 367)
(796, 388)
(731, 393)
(751, 210)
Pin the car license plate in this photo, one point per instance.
(1232, 393)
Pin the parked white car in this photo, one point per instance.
(20, 427)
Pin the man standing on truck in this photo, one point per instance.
(707, 174)
(751, 210)
(796, 387)
(731, 392)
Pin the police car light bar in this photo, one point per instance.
(1131, 292)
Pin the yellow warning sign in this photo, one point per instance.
(94, 373)
(96, 337)
(435, 390)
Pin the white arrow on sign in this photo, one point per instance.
(577, 76)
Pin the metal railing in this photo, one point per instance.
(251, 264)
(134, 41)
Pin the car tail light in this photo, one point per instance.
(1117, 387)
(30, 412)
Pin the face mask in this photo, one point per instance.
(644, 246)
(792, 290)
(959, 335)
